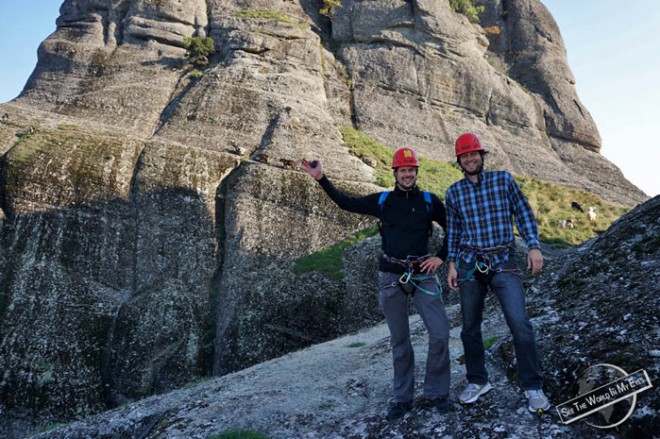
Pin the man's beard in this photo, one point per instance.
(475, 172)
(407, 186)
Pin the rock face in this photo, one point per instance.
(150, 215)
(583, 315)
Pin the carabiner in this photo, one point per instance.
(482, 270)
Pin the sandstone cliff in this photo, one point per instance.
(150, 217)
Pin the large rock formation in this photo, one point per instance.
(586, 311)
(150, 216)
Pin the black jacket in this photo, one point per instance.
(405, 221)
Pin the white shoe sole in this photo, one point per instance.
(485, 389)
(540, 409)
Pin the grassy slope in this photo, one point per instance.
(551, 203)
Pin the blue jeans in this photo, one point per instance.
(508, 288)
(394, 304)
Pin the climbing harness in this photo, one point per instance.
(411, 276)
(483, 269)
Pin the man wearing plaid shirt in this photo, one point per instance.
(482, 256)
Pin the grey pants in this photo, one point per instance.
(394, 304)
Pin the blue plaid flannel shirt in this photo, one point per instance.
(479, 215)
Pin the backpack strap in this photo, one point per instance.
(381, 200)
(427, 200)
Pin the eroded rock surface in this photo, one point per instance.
(150, 215)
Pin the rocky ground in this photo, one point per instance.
(337, 389)
(589, 306)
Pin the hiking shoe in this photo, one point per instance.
(441, 404)
(473, 391)
(538, 402)
(398, 409)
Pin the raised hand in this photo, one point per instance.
(313, 168)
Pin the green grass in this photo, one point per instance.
(434, 175)
(329, 6)
(550, 202)
(489, 342)
(268, 14)
(363, 146)
(328, 261)
(357, 344)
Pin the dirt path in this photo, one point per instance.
(337, 389)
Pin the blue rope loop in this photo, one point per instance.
(426, 277)
(410, 276)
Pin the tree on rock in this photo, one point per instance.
(198, 50)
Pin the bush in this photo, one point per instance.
(329, 6)
(466, 8)
(198, 49)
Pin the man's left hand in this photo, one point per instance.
(430, 265)
(534, 261)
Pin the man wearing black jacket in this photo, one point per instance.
(406, 270)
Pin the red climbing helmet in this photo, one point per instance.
(404, 157)
(468, 142)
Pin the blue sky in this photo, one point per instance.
(613, 49)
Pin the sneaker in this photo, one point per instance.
(473, 391)
(441, 404)
(538, 402)
(398, 409)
